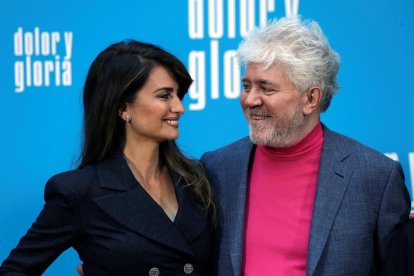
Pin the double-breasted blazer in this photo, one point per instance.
(115, 226)
(360, 198)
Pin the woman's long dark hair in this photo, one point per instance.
(113, 80)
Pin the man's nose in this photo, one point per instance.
(253, 98)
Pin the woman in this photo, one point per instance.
(135, 205)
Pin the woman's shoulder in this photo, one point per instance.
(92, 180)
(75, 176)
(77, 181)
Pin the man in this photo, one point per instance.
(297, 198)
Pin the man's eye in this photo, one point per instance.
(267, 90)
(246, 87)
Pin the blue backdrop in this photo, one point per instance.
(46, 48)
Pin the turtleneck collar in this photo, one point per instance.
(312, 141)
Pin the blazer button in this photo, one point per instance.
(154, 271)
(188, 268)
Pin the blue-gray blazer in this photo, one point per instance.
(361, 197)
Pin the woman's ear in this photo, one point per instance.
(122, 111)
(124, 114)
(312, 98)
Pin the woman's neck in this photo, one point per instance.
(146, 166)
(143, 159)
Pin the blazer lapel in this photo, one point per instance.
(333, 181)
(132, 207)
(238, 176)
(191, 219)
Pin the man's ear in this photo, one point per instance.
(312, 98)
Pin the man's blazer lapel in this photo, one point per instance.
(335, 172)
(238, 177)
(131, 206)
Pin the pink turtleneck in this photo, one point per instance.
(279, 207)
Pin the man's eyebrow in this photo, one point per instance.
(264, 82)
(260, 81)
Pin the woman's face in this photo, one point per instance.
(156, 109)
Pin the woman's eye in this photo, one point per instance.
(165, 96)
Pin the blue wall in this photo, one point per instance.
(41, 113)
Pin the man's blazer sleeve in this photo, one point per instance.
(394, 208)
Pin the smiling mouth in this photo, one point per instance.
(173, 123)
(259, 117)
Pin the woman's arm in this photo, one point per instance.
(55, 230)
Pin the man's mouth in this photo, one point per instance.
(259, 117)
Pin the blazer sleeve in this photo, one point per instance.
(54, 231)
(400, 256)
(394, 208)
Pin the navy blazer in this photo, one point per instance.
(115, 226)
(360, 198)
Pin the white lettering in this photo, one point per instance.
(55, 38)
(57, 70)
(215, 15)
(208, 17)
(48, 70)
(36, 42)
(291, 7)
(19, 76)
(214, 69)
(392, 155)
(231, 18)
(45, 38)
(18, 42)
(34, 69)
(28, 71)
(231, 75)
(28, 44)
(197, 64)
(247, 11)
(265, 7)
(67, 73)
(37, 74)
(68, 45)
(195, 19)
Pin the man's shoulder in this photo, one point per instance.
(338, 142)
(236, 154)
(242, 145)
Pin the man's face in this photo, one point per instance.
(272, 106)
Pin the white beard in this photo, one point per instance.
(278, 132)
